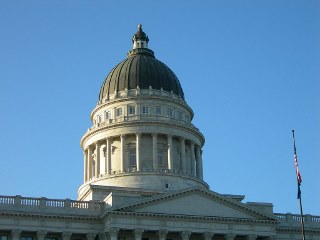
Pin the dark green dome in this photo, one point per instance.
(140, 70)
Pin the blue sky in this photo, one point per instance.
(249, 69)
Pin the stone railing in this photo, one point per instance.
(292, 219)
(65, 205)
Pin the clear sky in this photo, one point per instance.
(249, 69)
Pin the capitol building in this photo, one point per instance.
(143, 173)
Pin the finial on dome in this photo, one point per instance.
(140, 39)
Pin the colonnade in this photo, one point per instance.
(95, 165)
(114, 233)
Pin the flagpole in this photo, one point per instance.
(298, 182)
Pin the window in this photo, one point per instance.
(131, 110)
(99, 119)
(132, 157)
(158, 110)
(170, 112)
(51, 238)
(118, 112)
(160, 157)
(187, 117)
(107, 115)
(3, 237)
(179, 115)
(145, 110)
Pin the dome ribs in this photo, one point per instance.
(141, 70)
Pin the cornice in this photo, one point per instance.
(293, 229)
(53, 217)
(190, 218)
(192, 130)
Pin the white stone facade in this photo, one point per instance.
(143, 180)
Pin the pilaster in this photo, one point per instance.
(15, 234)
(113, 233)
(170, 148)
(138, 156)
(138, 234)
(207, 235)
(155, 151)
(162, 234)
(229, 236)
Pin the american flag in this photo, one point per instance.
(297, 169)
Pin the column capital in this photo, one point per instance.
(113, 232)
(154, 134)
(185, 235)
(138, 233)
(207, 235)
(16, 232)
(162, 233)
(229, 236)
(91, 236)
(66, 235)
(182, 138)
(252, 237)
(41, 235)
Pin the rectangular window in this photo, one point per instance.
(118, 112)
(3, 237)
(107, 115)
(179, 115)
(131, 110)
(158, 110)
(145, 110)
(132, 157)
(160, 157)
(170, 112)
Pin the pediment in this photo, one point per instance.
(196, 202)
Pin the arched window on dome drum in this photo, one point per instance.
(131, 110)
(118, 112)
(158, 110)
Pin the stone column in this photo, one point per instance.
(138, 234)
(183, 155)
(89, 162)
(193, 159)
(199, 163)
(123, 153)
(251, 237)
(108, 156)
(85, 168)
(91, 236)
(170, 150)
(138, 156)
(229, 236)
(185, 235)
(208, 235)
(97, 170)
(66, 235)
(41, 235)
(113, 233)
(15, 234)
(162, 234)
(155, 151)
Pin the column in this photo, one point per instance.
(155, 151)
(108, 156)
(66, 235)
(162, 234)
(85, 167)
(123, 153)
(185, 235)
(15, 234)
(229, 236)
(91, 236)
(193, 159)
(41, 235)
(199, 163)
(183, 155)
(138, 234)
(113, 233)
(138, 157)
(208, 235)
(170, 150)
(89, 162)
(97, 170)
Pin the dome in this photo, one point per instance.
(140, 70)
